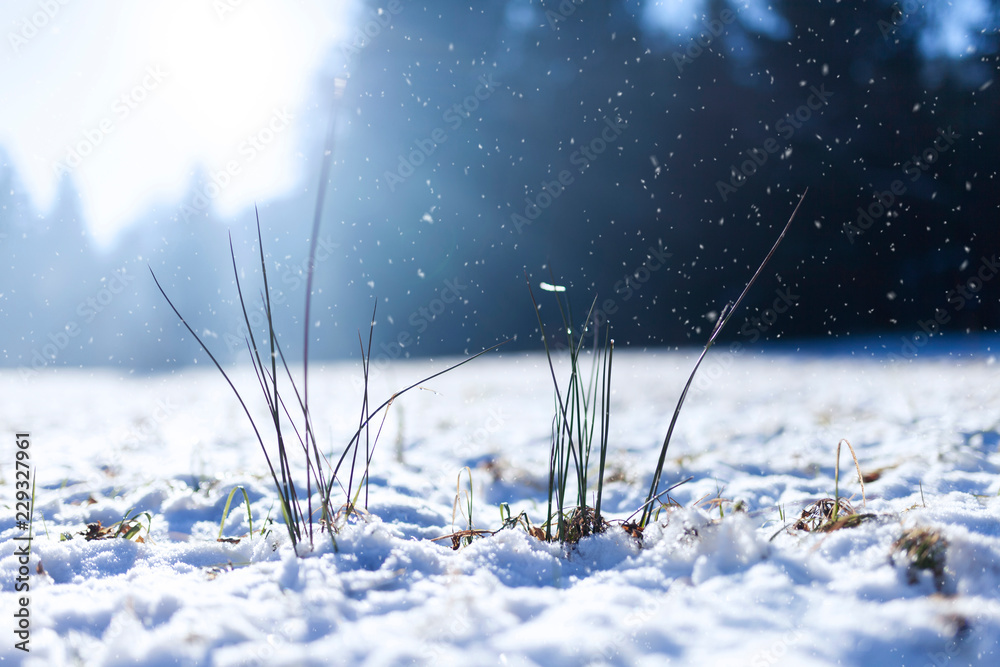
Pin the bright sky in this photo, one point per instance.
(134, 101)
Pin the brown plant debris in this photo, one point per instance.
(463, 536)
(633, 529)
(126, 529)
(872, 475)
(95, 531)
(582, 523)
(826, 515)
(921, 548)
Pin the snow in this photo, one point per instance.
(698, 590)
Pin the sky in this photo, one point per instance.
(203, 101)
(173, 98)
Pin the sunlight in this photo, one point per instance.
(191, 101)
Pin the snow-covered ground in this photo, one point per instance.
(697, 591)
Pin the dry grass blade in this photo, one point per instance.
(460, 536)
(836, 477)
(727, 313)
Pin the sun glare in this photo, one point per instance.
(152, 104)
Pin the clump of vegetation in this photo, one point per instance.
(461, 538)
(584, 403)
(129, 528)
(269, 364)
(581, 423)
(829, 514)
(921, 549)
(826, 515)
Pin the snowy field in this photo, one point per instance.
(697, 590)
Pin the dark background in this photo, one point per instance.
(447, 229)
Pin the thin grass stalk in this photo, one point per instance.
(316, 471)
(564, 425)
(225, 510)
(727, 313)
(361, 420)
(308, 427)
(581, 414)
(559, 471)
(609, 349)
(316, 468)
(587, 398)
(836, 480)
(289, 498)
(575, 423)
(298, 435)
(590, 399)
(552, 474)
(369, 445)
(290, 508)
(286, 471)
(324, 177)
(399, 393)
(253, 424)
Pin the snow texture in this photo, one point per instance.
(697, 591)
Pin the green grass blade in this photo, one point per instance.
(225, 510)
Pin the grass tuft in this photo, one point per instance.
(585, 403)
(298, 506)
(129, 528)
